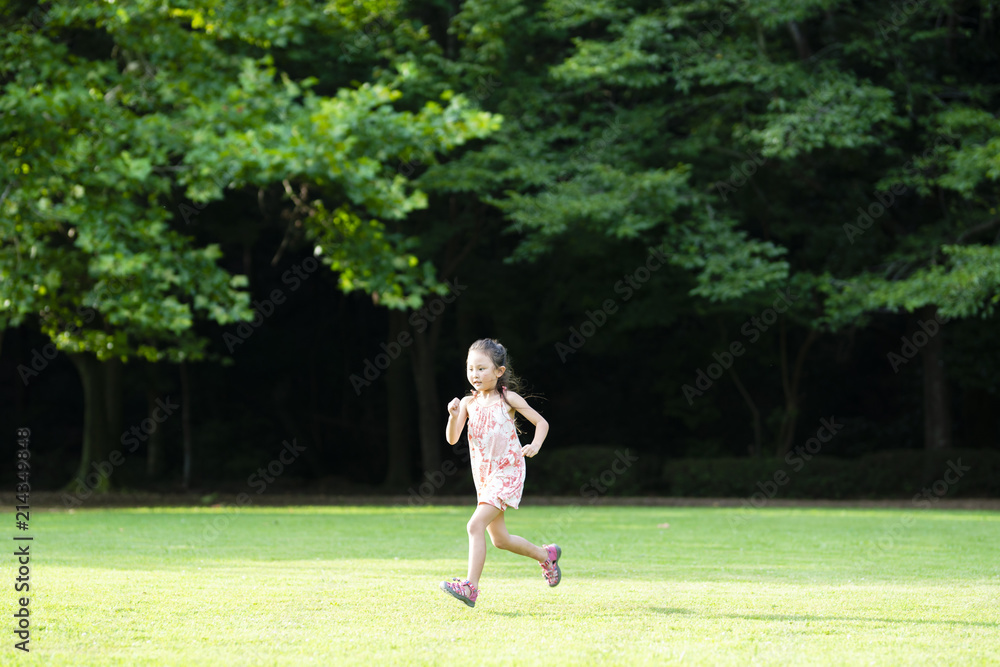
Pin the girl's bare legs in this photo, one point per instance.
(513, 543)
(481, 518)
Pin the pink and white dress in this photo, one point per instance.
(497, 462)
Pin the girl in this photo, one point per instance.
(497, 463)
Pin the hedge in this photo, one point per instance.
(591, 471)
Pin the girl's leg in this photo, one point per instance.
(482, 517)
(504, 540)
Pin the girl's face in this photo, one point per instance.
(481, 372)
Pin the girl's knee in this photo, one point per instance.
(500, 541)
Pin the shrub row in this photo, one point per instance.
(590, 470)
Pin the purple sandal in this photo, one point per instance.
(463, 590)
(550, 568)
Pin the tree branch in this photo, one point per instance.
(757, 440)
(978, 228)
(302, 208)
(5, 192)
(801, 45)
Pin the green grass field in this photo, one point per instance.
(358, 585)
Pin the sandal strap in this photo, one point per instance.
(461, 587)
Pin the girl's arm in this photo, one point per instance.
(457, 414)
(541, 426)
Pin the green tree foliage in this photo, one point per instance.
(112, 109)
(587, 147)
(844, 152)
(117, 116)
(844, 104)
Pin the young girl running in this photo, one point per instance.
(497, 463)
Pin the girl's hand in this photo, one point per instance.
(541, 426)
(457, 415)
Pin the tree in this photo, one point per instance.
(827, 113)
(570, 163)
(113, 111)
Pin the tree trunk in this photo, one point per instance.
(937, 410)
(950, 39)
(428, 405)
(398, 455)
(186, 425)
(113, 398)
(154, 444)
(790, 386)
(97, 440)
(430, 409)
(756, 449)
(979, 417)
(314, 392)
(801, 44)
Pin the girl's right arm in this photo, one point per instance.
(457, 414)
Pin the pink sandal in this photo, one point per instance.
(463, 590)
(550, 568)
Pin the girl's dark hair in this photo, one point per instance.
(498, 355)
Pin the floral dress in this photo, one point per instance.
(497, 462)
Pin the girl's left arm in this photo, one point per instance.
(541, 426)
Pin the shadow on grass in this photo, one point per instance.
(514, 614)
(673, 611)
(792, 617)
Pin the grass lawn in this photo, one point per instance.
(359, 585)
